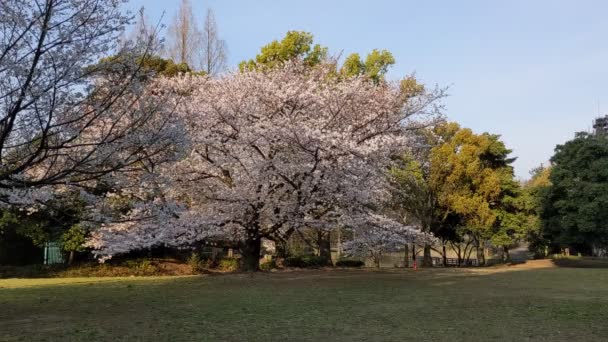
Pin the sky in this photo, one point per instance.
(533, 71)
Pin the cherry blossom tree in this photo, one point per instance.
(66, 119)
(374, 235)
(273, 152)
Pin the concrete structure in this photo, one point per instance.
(600, 126)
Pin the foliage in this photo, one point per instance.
(530, 204)
(141, 267)
(473, 180)
(73, 240)
(229, 264)
(268, 265)
(296, 45)
(259, 164)
(307, 261)
(68, 123)
(59, 220)
(375, 235)
(375, 65)
(349, 263)
(195, 262)
(128, 268)
(574, 205)
(150, 66)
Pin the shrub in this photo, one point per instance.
(350, 263)
(305, 261)
(268, 265)
(195, 262)
(142, 267)
(229, 264)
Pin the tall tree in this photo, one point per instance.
(270, 151)
(468, 170)
(62, 119)
(144, 32)
(184, 41)
(574, 211)
(213, 49)
(413, 198)
(530, 204)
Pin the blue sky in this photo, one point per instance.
(533, 71)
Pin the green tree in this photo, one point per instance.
(73, 240)
(298, 45)
(376, 65)
(151, 65)
(530, 204)
(56, 221)
(473, 178)
(574, 206)
(295, 45)
(353, 66)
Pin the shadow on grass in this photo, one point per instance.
(312, 305)
(581, 262)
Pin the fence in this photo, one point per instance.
(52, 253)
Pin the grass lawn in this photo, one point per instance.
(517, 304)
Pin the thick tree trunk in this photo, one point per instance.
(250, 251)
(445, 256)
(481, 259)
(406, 261)
(427, 261)
(71, 258)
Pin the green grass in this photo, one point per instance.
(554, 304)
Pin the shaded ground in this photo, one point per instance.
(530, 302)
(136, 267)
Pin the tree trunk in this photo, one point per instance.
(481, 259)
(458, 253)
(445, 256)
(506, 255)
(250, 251)
(281, 248)
(428, 260)
(324, 245)
(414, 254)
(339, 246)
(71, 258)
(406, 261)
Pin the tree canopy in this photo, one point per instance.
(474, 180)
(574, 205)
(296, 45)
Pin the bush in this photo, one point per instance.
(268, 265)
(195, 262)
(229, 264)
(350, 263)
(142, 267)
(306, 261)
